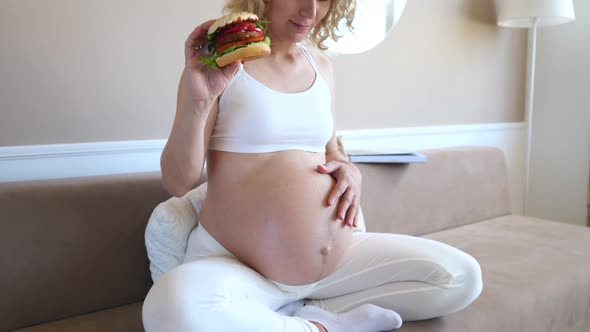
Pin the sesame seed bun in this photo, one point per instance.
(230, 18)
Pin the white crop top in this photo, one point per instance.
(254, 118)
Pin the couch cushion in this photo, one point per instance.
(73, 246)
(121, 319)
(536, 277)
(457, 186)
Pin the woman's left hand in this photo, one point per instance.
(348, 188)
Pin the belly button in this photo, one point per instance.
(325, 250)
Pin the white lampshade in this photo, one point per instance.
(523, 13)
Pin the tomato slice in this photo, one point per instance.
(241, 26)
(241, 42)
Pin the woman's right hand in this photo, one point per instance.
(204, 84)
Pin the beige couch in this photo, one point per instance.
(73, 256)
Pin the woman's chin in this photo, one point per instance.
(298, 37)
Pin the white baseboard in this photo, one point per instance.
(34, 162)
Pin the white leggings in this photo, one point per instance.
(213, 291)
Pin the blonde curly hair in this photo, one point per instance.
(340, 10)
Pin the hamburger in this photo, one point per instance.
(233, 37)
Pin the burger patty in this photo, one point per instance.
(237, 36)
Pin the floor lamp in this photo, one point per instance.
(532, 14)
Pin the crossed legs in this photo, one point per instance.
(415, 277)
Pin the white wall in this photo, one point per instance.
(444, 63)
(92, 70)
(76, 71)
(561, 124)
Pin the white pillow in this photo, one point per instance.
(167, 231)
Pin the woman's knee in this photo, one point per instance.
(178, 301)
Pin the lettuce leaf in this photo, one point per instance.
(262, 24)
(209, 61)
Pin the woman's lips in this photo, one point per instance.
(300, 27)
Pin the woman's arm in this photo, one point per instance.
(348, 176)
(348, 183)
(185, 152)
(333, 151)
(196, 110)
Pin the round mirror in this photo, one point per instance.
(374, 19)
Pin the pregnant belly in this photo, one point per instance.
(280, 226)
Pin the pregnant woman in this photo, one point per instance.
(276, 247)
